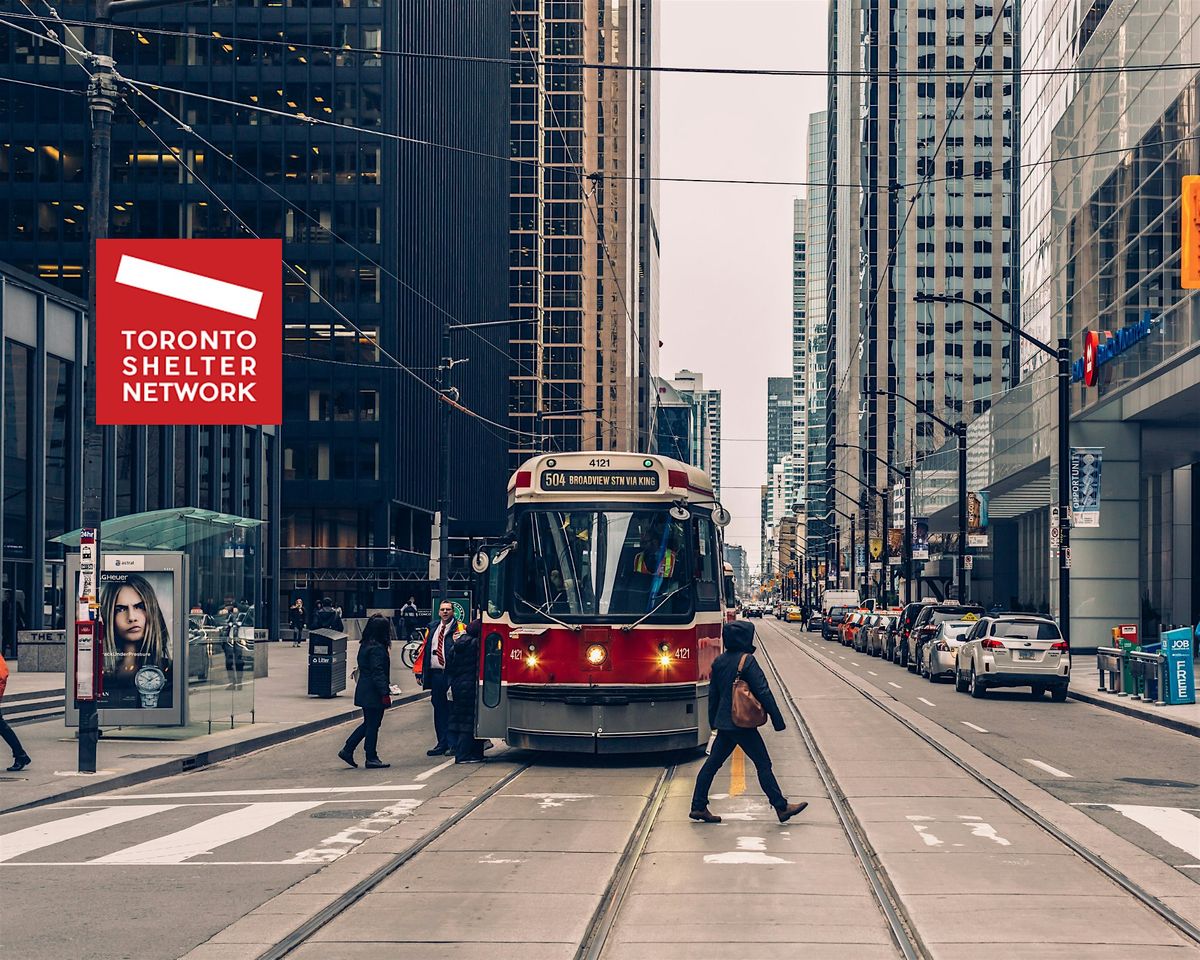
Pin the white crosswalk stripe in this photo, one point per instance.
(1180, 828)
(206, 836)
(20, 842)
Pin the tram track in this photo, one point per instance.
(902, 930)
(1172, 918)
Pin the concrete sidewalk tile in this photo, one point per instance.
(788, 840)
(452, 950)
(563, 836)
(636, 784)
(745, 947)
(493, 916)
(525, 872)
(302, 905)
(226, 951)
(952, 834)
(960, 786)
(797, 937)
(261, 928)
(810, 873)
(747, 910)
(1052, 874)
(882, 809)
(1039, 918)
(1058, 951)
(540, 805)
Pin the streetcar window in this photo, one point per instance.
(603, 563)
(709, 568)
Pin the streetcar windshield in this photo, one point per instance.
(619, 564)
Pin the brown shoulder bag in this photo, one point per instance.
(747, 711)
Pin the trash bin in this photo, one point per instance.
(1179, 669)
(1125, 638)
(326, 663)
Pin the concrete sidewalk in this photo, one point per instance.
(129, 755)
(1085, 686)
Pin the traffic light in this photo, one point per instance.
(1189, 228)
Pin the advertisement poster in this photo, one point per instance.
(137, 610)
(920, 538)
(895, 546)
(1086, 463)
(977, 519)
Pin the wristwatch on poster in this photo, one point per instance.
(150, 682)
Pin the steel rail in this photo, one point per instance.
(364, 886)
(1180, 923)
(591, 947)
(900, 926)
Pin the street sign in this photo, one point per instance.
(1189, 262)
(189, 331)
(1055, 531)
(968, 562)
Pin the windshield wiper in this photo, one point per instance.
(574, 627)
(653, 610)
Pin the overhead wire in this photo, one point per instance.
(182, 161)
(297, 46)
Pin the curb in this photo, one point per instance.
(1116, 706)
(204, 758)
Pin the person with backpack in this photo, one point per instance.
(739, 702)
(20, 757)
(326, 617)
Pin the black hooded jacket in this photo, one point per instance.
(739, 639)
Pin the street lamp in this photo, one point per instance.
(1063, 356)
(961, 430)
(882, 495)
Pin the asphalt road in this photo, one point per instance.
(1140, 780)
(151, 871)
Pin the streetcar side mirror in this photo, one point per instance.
(481, 561)
(679, 512)
(721, 517)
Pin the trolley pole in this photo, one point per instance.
(443, 385)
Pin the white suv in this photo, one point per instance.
(1014, 650)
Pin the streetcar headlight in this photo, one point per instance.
(596, 654)
(531, 660)
(664, 655)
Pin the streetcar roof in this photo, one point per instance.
(607, 475)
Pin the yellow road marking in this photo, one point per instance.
(737, 773)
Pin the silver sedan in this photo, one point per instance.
(939, 654)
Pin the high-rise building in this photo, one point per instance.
(799, 342)
(673, 423)
(814, 450)
(376, 228)
(584, 242)
(735, 556)
(779, 447)
(932, 161)
(704, 425)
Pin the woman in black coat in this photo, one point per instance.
(372, 691)
(462, 672)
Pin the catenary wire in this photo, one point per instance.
(299, 45)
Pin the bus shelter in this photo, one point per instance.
(211, 606)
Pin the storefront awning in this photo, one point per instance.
(171, 529)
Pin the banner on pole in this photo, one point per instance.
(1086, 463)
(920, 538)
(977, 519)
(876, 548)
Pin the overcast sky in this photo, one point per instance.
(726, 280)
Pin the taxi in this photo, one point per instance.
(794, 614)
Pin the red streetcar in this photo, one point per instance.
(604, 605)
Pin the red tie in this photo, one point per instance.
(441, 658)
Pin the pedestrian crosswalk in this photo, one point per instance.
(203, 833)
(1178, 826)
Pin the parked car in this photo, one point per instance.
(851, 627)
(928, 620)
(1014, 650)
(816, 622)
(834, 618)
(794, 614)
(864, 630)
(877, 635)
(904, 625)
(937, 661)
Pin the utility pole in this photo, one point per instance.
(443, 386)
(962, 513)
(908, 558)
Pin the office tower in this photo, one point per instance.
(378, 231)
(704, 424)
(799, 342)
(814, 450)
(584, 247)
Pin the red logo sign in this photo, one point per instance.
(189, 331)
(1091, 365)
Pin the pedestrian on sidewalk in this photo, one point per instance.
(737, 662)
(372, 691)
(296, 621)
(20, 757)
(326, 617)
(462, 672)
(442, 632)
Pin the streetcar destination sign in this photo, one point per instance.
(613, 481)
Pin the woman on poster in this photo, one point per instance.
(137, 646)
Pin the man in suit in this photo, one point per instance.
(442, 632)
